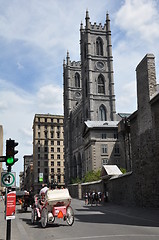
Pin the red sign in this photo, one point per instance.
(10, 205)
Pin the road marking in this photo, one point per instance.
(109, 236)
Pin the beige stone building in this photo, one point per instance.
(48, 150)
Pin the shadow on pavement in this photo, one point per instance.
(104, 215)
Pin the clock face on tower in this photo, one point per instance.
(77, 95)
(100, 65)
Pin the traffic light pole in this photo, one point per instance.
(8, 232)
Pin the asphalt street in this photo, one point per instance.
(110, 222)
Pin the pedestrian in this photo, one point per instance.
(86, 198)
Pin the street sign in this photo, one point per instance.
(8, 179)
(2, 158)
(10, 205)
(40, 177)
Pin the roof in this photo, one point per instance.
(110, 170)
(103, 124)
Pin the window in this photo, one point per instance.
(101, 88)
(45, 119)
(58, 156)
(45, 134)
(86, 87)
(77, 80)
(38, 134)
(59, 178)
(104, 135)
(38, 149)
(52, 135)
(104, 148)
(38, 156)
(58, 135)
(38, 170)
(38, 163)
(52, 156)
(39, 127)
(58, 170)
(102, 113)
(52, 149)
(58, 149)
(46, 149)
(115, 135)
(38, 141)
(58, 163)
(99, 46)
(46, 164)
(58, 142)
(52, 142)
(116, 149)
(46, 156)
(104, 161)
(52, 170)
(52, 163)
(46, 142)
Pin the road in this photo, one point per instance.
(110, 222)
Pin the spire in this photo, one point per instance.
(87, 18)
(68, 57)
(81, 26)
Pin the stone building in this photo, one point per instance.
(140, 187)
(90, 120)
(48, 150)
(28, 161)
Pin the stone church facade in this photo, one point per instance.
(90, 119)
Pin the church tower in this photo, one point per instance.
(97, 72)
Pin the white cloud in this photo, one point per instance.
(139, 19)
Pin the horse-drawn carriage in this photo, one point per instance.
(57, 204)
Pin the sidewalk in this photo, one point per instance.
(3, 223)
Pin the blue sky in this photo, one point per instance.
(34, 38)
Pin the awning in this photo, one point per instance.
(109, 171)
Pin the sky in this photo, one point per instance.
(35, 36)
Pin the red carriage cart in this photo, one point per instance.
(57, 205)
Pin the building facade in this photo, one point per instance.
(28, 161)
(90, 120)
(48, 150)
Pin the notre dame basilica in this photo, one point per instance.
(90, 119)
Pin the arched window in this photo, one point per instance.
(102, 113)
(86, 88)
(77, 79)
(99, 46)
(101, 88)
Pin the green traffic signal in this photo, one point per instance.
(10, 160)
(10, 152)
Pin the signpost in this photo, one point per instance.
(8, 179)
(10, 205)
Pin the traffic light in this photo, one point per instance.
(10, 152)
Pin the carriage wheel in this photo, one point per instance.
(32, 216)
(44, 217)
(69, 216)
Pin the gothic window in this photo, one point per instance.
(101, 84)
(86, 87)
(77, 80)
(99, 46)
(85, 51)
(102, 113)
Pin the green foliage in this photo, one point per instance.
(123, 170)
(75, 180)
(92, 176)
(89, 177)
